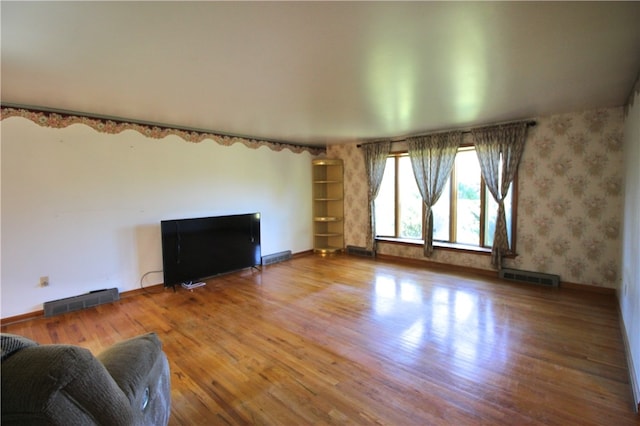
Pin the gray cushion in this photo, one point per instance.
(61, 385)
(12, 343)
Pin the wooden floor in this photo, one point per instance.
(348, 340)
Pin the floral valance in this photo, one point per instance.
(113, 126)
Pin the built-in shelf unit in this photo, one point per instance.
(328, 206)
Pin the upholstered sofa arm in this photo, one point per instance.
(141, 370)
(60, 385)
(126, 385)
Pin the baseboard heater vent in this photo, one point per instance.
(360, 251)
(530, 277)
(76, 303)
(270, 259)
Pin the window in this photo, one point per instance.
(464, 215)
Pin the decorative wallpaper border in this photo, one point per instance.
(61, 120)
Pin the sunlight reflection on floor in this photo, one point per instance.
(460, 322)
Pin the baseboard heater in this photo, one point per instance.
(549, 280)
(76, 303)
(270, 259)
(360, 251)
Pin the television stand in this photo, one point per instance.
(191, 285)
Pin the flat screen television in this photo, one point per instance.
(198, 248)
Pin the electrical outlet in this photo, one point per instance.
(44, 281)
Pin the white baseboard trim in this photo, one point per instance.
(635, 386)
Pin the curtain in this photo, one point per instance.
(432, 158)
(375, 160)
(499, 149)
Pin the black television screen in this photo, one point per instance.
(198, 248)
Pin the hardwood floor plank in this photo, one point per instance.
(348, 340)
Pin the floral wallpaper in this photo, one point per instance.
(570, 201)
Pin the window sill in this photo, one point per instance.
(441, 245)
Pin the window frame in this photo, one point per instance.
(448, 245)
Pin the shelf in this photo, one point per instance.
(327, 250)
(327, 162)
(328, 205)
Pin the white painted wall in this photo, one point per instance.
(629, 294)
(84, 207)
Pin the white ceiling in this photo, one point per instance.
(319, 72)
